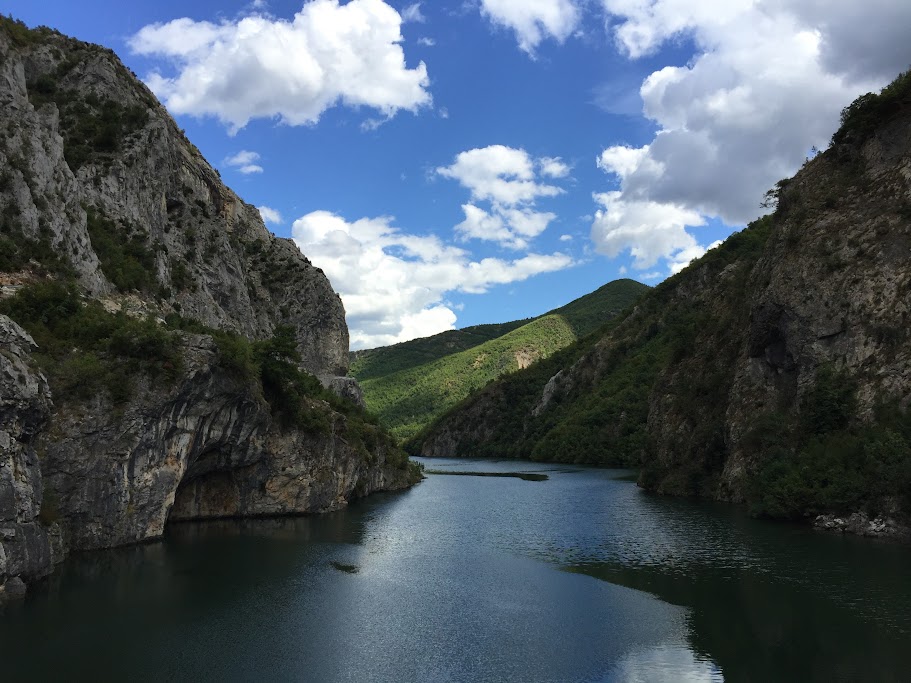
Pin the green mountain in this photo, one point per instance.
(407, 385)
(772, 371)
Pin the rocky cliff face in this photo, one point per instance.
(776, 370)
(98, 187)
(203, 446)
(25, 406)
(87, 149)
(830, 294)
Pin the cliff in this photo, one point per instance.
(774, 371)
(159, 347)
(96, 170)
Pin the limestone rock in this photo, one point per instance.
(24, 409)
(212, 258)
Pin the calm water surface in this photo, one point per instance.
(578, 578)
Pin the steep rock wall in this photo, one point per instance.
(99, 186)
(25, 405)
(211, 256)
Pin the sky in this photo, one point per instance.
(456, 163)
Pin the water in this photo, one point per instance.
(581, 577)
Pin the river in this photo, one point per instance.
(579, 577)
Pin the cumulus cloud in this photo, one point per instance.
(244, 162)
(499, 174)
(553, 167)
(767, 81)
(649, 230)
(263, 67)
(393, 284)
(533, 20)
(269, 215)
(507, 179)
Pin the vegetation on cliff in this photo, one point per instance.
(86, 350)
(604, 420)
(410, 384)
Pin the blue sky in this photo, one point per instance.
(454, 163)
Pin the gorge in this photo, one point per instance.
(170, 370)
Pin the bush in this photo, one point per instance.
(125, 257)
(826, 462)
(18, 252)
(83, 348)
(868, 112)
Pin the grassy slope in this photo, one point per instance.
(373, 363)
(605, 421)
(410, 384)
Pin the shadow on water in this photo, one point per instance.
(157, 605)
(773, 602)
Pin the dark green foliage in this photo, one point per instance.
(603, 420)
(871, 111)
(408, 400)
(124, 254)
(297, 399)
(829, 405)
(826, 461)
(84, 349)
(93, 128)
(387, 360)
(18, 251)
(180, 276)
(19, 34)
(584, 315)
(587, 313)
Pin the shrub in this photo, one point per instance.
(125, 257)
(83, 348)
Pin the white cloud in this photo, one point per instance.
(426, 42)
(269, 214)
(553, 167)
(533, 20)
(499, 174)
(505, 178)
(393, 284)
(650, 230)
(413, 13)
(767, 81)
(244, 162)
(566, 238)
(263, 67)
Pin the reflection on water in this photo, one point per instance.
(581, 577)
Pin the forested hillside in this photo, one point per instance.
(409, 384)
(773, 370)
